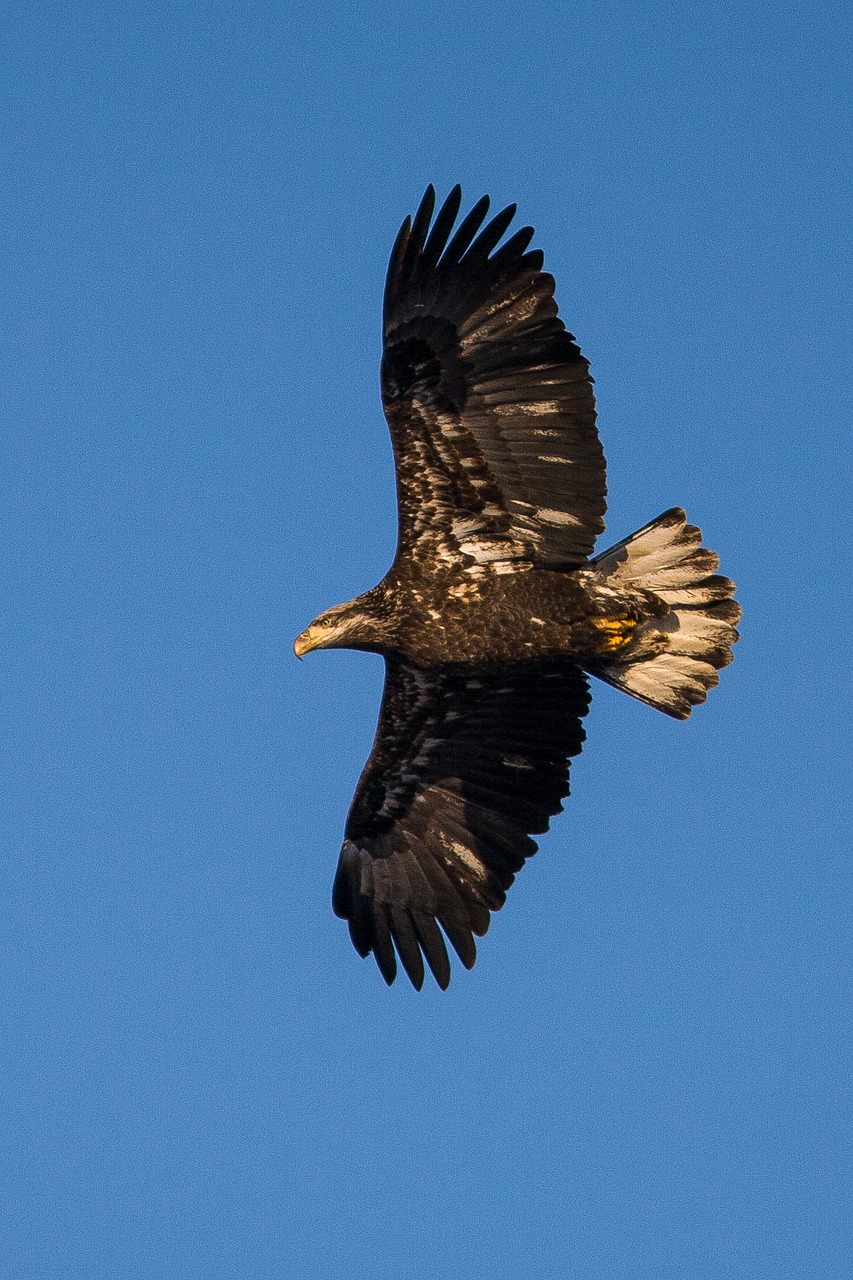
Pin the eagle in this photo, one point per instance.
(495, 611)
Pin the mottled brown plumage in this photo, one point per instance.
(493, 611)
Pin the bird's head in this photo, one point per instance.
(343, 627)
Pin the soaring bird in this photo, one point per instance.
(494, 610)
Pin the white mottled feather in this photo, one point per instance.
(672, 661)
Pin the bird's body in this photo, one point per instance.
(494, 609)
(434, 620)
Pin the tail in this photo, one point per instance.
(672, 661)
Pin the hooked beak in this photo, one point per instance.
(306, 641)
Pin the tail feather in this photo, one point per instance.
(673, 660)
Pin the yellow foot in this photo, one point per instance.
(615, 633)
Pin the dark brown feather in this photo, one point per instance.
(488, 398)
(464, 765)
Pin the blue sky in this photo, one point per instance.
(647, 1073)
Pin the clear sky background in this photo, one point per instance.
(647, 1074)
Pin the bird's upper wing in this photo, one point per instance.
(465, 765)
(488, 399)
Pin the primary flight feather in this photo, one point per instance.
(493, 612)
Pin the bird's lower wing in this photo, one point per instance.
(467, 764)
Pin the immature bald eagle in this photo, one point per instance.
(493, 611)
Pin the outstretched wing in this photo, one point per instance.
(465, 765)
(488, 399)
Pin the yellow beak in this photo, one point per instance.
(304, 643)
